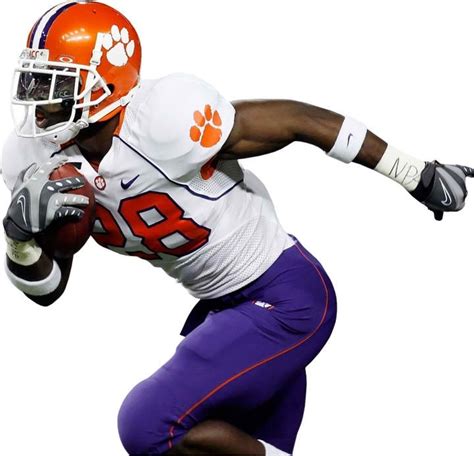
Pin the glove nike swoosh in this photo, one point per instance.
(22, 202)
(448, 199)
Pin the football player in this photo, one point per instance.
(162, 156)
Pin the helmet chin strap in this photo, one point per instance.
(113, 106)
(68, 134)
(73, 130)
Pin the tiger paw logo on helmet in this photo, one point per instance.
(84, 55)
(119, 46)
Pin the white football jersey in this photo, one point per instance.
(163, 196)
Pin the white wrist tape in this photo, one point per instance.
(23, 253)
(270, 450)
(40, 287)
(349, 140)
(401, 167)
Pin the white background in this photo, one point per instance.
(396, 377)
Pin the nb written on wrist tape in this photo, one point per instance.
(349, 140)
(400, 167)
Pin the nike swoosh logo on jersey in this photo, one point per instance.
(448, 200)
(127, 185)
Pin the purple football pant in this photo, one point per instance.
(243, 362)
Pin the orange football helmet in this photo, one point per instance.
(81, 56)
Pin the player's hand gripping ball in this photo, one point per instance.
(72, 225)
(39, 203)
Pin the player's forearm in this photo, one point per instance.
(46, 300)
(262, 127)
(350, 141)
(41, 279)
(322, 127)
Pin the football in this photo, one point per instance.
(63, 238)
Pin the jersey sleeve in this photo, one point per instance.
(18, 153)
(181, 123)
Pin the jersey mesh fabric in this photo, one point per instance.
(233, 262)
(227, 173)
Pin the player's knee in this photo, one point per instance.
(133, 435)
(141, 422)
(134, 440)
(135, 446)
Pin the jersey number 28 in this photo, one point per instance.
(169, 221)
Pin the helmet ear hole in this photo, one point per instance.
(111, 88)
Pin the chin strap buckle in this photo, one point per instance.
(82, 123)
(126, 99)
(97, 52)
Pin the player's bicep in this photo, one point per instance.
(260, 127)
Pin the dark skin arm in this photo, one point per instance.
(40, 270)
(264, 126)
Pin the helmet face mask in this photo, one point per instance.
(33, 86)
(63, 78)
(52, 85)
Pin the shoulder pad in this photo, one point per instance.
(179, 122)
